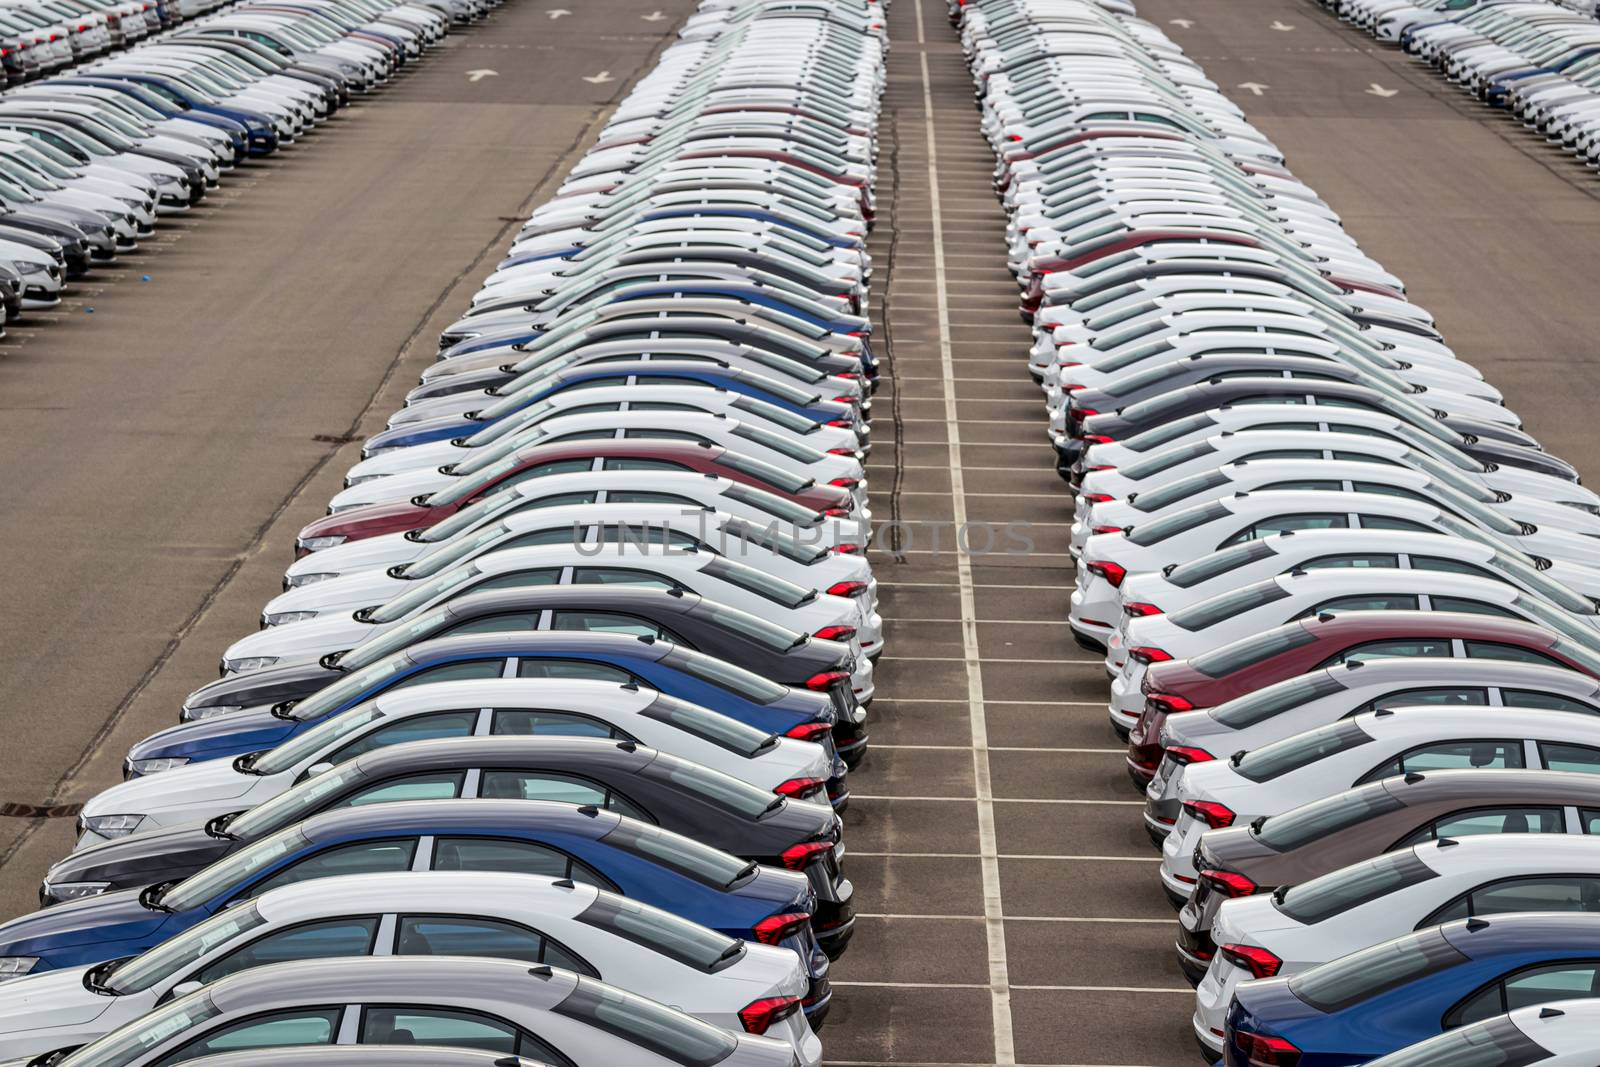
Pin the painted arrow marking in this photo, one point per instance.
(1254, 87)
(1281, 27)
(1185, 23)
(1377, 90)
(558, 12)
(599, 79)
(654, 16)
(479, 75)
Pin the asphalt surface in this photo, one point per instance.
(158, 455)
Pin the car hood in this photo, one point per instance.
(213, 782)
(354, 556)
(160, 855)
(433, 455)
(52, 999)
(218, 736)
(105, 919)
(374, 520)
(289, 682)
(305, 641)
(402, 484)
(345, 593)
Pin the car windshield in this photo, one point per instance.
(129, 1043)
(1228, 605)
(1493, 1043)
(228, 873)
(295, 804)
(720, 730)
(171, 956)
(1522, 573)
(470, 485)
(423, 594)
(1334, 894)
(471, 516)
(687, 942)
(1188, 575)
(724, 675)
(1311, 822)
(1366, 974)
(683, 854)
(1283, 757)
(1250, 651)
(392, 640)
(292, 753)
(668, 1033)
(454, 551)
(510, 425)
(1145, 534)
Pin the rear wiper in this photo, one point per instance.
(745, 872)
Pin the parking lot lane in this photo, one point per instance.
(192, 423)
(909, 1024)
(914, 885)
(1109, 1026)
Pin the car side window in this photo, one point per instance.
(609, 622)
(415, 728)
(1365, 602)
(1580, 758)
(1569, 980)
(1513, 653)
(1331, 485)
(560, 466)
(639, 463)
(1438, 648)
(1450, 566)
(1489, 821)
(437, 785)
(571, 668)
(1362, 561)
(561, 788)
(1447, 696)
(520, 580)
(310, 941)
(511, 621)
(1391, 522)
(465, 670)
(511, 856)
(445, 935)
(533, 722)
(650, 535)
(282, 1029)
(1281, 523)
(362, 857)
(1471, 607)
(562, 535)
(1451, 756)
(620, 576)
(1532, 698)
(438, 1026)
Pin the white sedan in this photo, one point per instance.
(1369, 903)
(736, 985)
(510, 707)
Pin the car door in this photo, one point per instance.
(1541, 984)
(1470, 822)
(453, 1028)
(353, 935)
(562, 788)
(511, 855)
(280, 1029)
(1454, 755)
(459, 935)
(381, 856)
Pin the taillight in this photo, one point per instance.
(759, 1015)
(1258, 961)
(1183, 755)
(847, 588)
(1229, 883)
(1138, 609)
(823, 680)
(1084, 413)
(1166, 703)
(844, 400)
(1263, 1051)
(848, 549)
(1150, 654)
(1106, 529)
(809, 731)
(846, 483)
(1212, 814)
(1111, 572)
(835, 513)
(800, 788)
(1093, 439)
(836, 633)
(841, 451)
(798, 857)
(774, 928)
(840, 422)
(1097, 498)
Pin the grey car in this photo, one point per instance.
(539, 1013)
(1364, 822)
(364, 1056)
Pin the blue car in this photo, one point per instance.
(1374, 1002)
(672, 872)
(788, 397)
(621, 658)
(262, 136)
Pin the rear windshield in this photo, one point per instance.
(1188, 575)
(762, 584)
(690, 943)
(1157, 436)
(683, 854)
(1283, 757)
(668, 1033)
(1336, 893)
(1251, 650)
(720, 730)
(1263, 704)
(1495, 1043)
(715, 788)
(1215, 609)
(1182, 489)
(1167, 459)
(1363, 975)
(1151, 533)
(724, 675)
(1305, 824)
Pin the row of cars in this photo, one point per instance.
(92, 157)
(1539, 59)
(542, 753)
(1348, 605)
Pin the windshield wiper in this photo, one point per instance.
(150, 896)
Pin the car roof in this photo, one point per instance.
(575, 753)
(437, 891)
(439, 815)
(365, 1056)
(483, 983)
(1428, 720)
(501, 692)
(634, 597)
(526, 642)
(1405, 670)
(1495, 787)
(1358, 625)
(1519, 933)
(1510, 855)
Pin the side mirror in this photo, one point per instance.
(318, 768)
(183, 989)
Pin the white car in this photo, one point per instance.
(1368, 903)
(521, 917)
(518, 707)
(1271, 602)
(1567, 1037)
(539, 1012)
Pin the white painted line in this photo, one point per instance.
(1113, 920)
(990, 622)
(971, 656)
(1065, 858)
(1000, 748)
(891, 583)
(1023, 703)
(991, 800)
(1005, 1053)
(1034, 988)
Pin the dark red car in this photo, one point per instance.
(1240, 668)
(534, 461)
